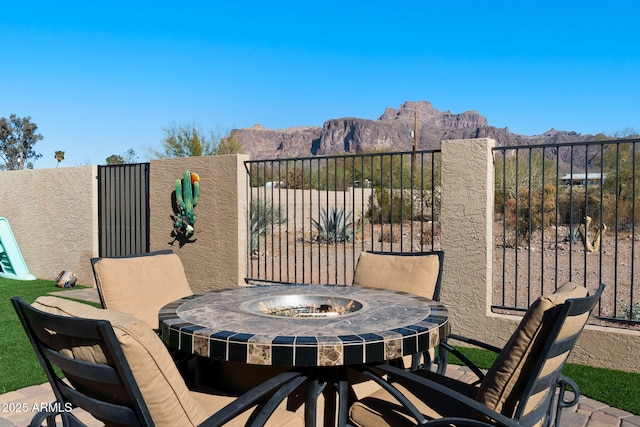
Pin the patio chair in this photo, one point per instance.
(518, 390)
(140, 285)
(118, 370)
(418, 273)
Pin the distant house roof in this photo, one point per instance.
(581, 178)
(575, 176)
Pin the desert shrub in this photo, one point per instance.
(386, 207)
(628, 311)
(515, 172)
(295, 178)
(334, 226)
(428, 234)
(428, 205)
(256, 231)
(574, 205)
(389, 236)
(621, 162)
(620, 213)
(532, 210)
(263, 216)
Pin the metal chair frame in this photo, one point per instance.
(85, 381)
(546, 410)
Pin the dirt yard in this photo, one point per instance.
(520, 271)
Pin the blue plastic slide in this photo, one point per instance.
(12, 265)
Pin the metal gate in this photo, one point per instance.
(123, 209)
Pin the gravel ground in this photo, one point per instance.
(520, 271)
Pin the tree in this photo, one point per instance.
(619, 163)
(129, 156)
(59, 156)
(228, 145)
(184, 141)
(188, 140)
(17, 138)
(115, 159)
(515, 172)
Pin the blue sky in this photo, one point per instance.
(100, 78)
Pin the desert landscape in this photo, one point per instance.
(545, 260)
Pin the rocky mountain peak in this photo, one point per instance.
(390, 132)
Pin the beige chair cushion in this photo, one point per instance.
(381, 409)
(416, 274)
(142, 285)
(167, 397)
(280, 418)
(502, 385)
(163, 389)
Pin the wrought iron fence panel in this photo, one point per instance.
(309, 218)
(568, 212)
(564, 212)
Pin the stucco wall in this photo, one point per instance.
(216, 256)
(467, 210)
(53, 215)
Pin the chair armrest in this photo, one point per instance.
(440, 391)
(279, 387)
(473, 342)
(446, 348)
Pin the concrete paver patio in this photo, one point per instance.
(587, 413)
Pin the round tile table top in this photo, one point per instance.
(221, 325)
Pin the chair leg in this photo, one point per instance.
(562, 403)
(40, 417)
(442, 360)
(68, 419)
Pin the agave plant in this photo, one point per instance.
(334, 227)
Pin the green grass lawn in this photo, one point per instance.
(19, 366)
(615, 388)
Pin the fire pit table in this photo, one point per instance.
(320, 328)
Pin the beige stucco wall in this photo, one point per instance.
(216, 257)
(467, 211)
(53, 215)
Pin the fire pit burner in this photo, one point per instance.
(302, 306)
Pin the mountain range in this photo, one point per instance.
(393, 131)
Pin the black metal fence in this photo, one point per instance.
(123, 209)
(563, 212)
(568, 212)
(309, 218)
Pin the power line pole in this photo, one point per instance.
(415, 147)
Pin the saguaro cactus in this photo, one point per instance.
(187, 196)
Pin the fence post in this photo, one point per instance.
(467, 234)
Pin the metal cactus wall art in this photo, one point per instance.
(187, 196)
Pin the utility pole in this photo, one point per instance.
(415, 148)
